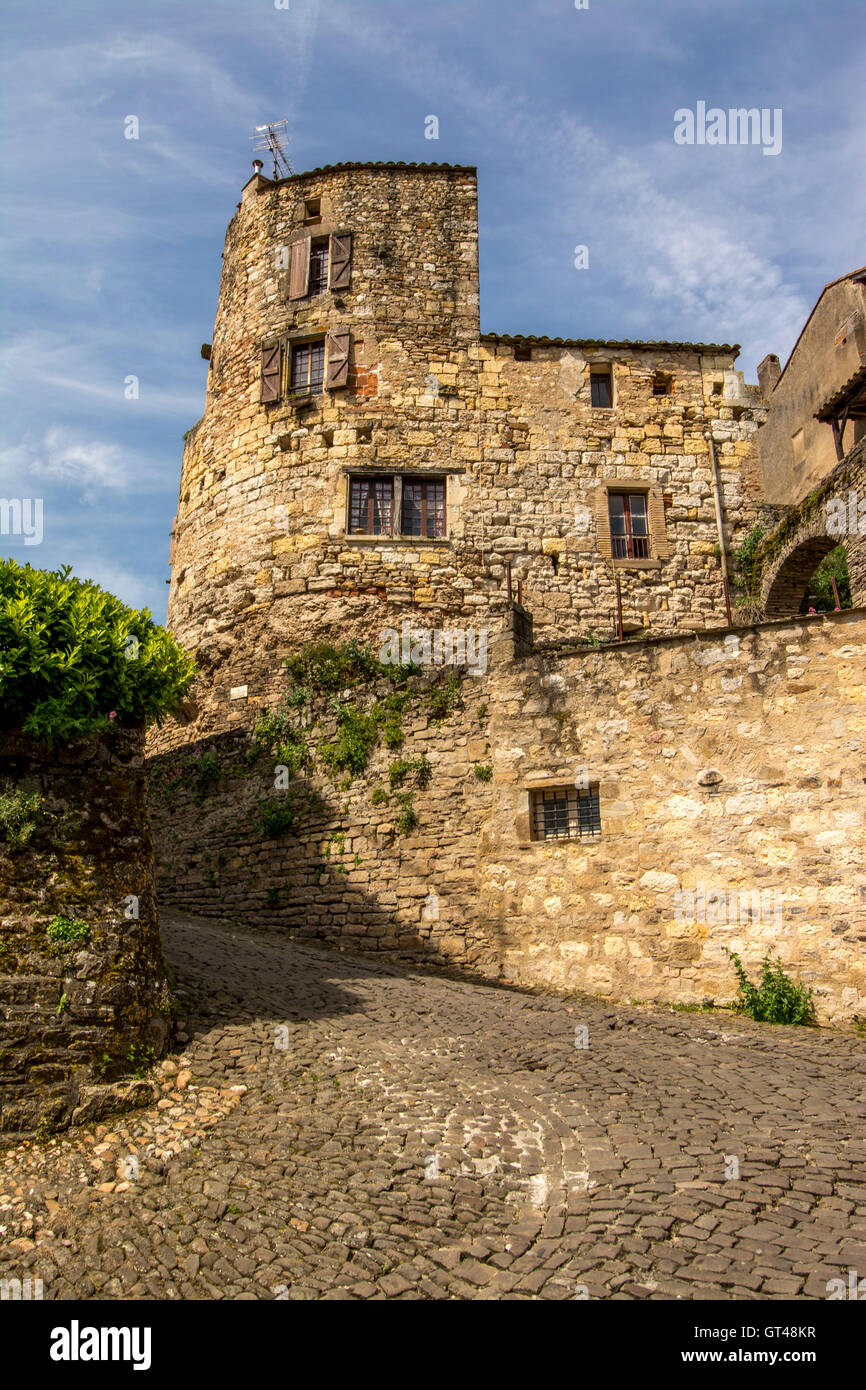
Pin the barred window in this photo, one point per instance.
(423, 509)
(565, 813)
(308, 368)
(371, 506)
(629, 531)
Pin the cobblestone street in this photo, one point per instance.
(341, 1128)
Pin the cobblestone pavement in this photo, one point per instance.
(338, 1128)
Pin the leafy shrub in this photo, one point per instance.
(276, 815)
(399, 771)
(833, 566)
(326, 667)
(380, 797)
(276, 732)
(777, 999)
(483, 772)
(68, 931)
(407, 820)
(443, 698)
(19, 815)
(357, 736)
(66, 669)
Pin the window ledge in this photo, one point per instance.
(411, 541)
(625, 564)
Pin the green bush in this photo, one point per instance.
(19, 815)
(68, 931)
(484, 772)
(407, 820)
(276, 816)
(399, 771)
(357, 736)
(777, 999)
(77, 661)
(833, 566)
(329, 668)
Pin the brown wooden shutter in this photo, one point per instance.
(299, 275)
(337, 373)
(341, 260)
(601, 509)
(658, 532)
(272, 362)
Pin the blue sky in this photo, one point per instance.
(111, 247)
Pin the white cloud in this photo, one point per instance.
(86, 466)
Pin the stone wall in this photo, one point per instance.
(76, 1015)
(262, 555)
(730, 774)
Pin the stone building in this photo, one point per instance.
(366, 451)
(595, 814)
(816, 404)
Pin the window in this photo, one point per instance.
(423, 512)
(312, 209)
(396, 505)
(662, 384)
(319, 267)
(601, 389)
(522, 353)
(629, 531)
(308, 368)
(564, 813)
(371, 506)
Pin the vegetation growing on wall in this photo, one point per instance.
(776, 998)
(78, 661)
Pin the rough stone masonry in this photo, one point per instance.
(367, 454)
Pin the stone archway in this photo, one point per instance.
(834, 515)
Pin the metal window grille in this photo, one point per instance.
(629, 528)
(423, 509)
(308, 369)
(565, 813)
(319, 268)
(371, 506)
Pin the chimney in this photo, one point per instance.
(769, 372)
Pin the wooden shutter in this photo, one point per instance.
(337, 373)
(272, 363)
(341, 260)
(600, 507)
(660, 546)
(299, 275)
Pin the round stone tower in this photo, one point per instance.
(322, 490)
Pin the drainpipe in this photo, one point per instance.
(717, 498)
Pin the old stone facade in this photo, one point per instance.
(728, 777)
(799, 442)
(80, 1007)
(347, 354)
(601, 818)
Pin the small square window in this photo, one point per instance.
(308, 368)
(312, 209)
(565, 813)
(601, 389)
(522, 353)
(662, 384)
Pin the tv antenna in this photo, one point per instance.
(272, 139)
